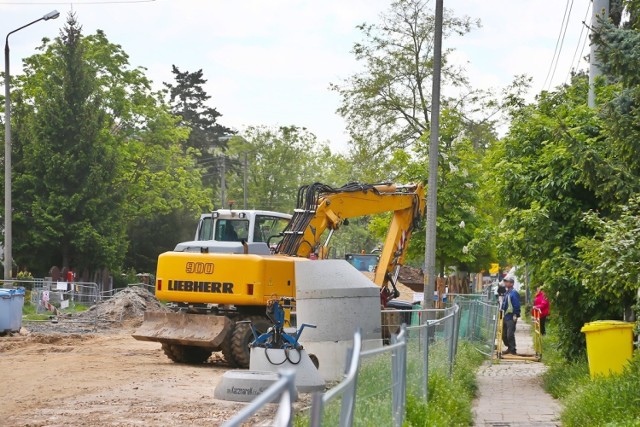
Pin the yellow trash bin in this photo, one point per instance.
(609, 346)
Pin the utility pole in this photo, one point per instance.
(600, 10)
(432, 190)
(223, 181)
(244, 179)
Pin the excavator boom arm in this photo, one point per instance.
(321, 207)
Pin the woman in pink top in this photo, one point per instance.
(541, 303)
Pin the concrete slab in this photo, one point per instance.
(243, 386)
(307, 378)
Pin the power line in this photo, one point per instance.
(76, 2)
(582, 28)
(584, 44)
(561, 45)
(559, 41)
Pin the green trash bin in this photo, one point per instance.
(609, 346)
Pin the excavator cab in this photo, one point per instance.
(363, 262)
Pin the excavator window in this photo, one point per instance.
(363, 262)
(234, 230)
(268, 226)
(206, 229)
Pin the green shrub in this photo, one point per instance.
(563, 376)
(562, 380)
(613, 400)
(604, 401)
(450, 399)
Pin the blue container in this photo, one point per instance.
(11, 302)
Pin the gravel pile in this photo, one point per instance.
(128, 303)
(124, 310)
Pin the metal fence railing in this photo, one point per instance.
(61, 300)
(478, 321)
(422, 342)
(284, 388)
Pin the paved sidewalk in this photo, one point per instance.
(510, 392)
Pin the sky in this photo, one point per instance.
(270, 62)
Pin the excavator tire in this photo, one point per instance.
(227, 349)
(186, 353)
(242, 336)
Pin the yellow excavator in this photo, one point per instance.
(220, 288)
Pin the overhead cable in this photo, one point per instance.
(580, 42)
(559, 42)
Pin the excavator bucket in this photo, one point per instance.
(199, 330)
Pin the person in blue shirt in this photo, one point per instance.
(511, 312)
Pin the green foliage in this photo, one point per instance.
(388, 105)
(610, 401)
(609, 257)
(563, 376)
(373, 395)
(607, 401)
(29, 312)
(550, 170)
(279, 161)
(449, 400)
(387, 108)
(97, 157)
(568, 179)
(24, 275)
(462, 228)
(361, 234)
(207, 137)
(188, 101)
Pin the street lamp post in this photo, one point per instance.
(8, 258)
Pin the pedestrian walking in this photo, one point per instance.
(511, 312)
(541, 302)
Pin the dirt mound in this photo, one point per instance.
(406, 293)
(412, 277)
(126, 304)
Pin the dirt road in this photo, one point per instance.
(56, 378)
(104, 380)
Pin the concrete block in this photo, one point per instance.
(307, 377)
(243, 386)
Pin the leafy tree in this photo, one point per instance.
(461, 227)
(389, 104)
(572, 187)
(97, 153)
(607, 259)
(388, 107)
(68, 197)
(279, 161)
(610, 257)
(545, 184)
(188, 99)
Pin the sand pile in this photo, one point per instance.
(412, 277)
(406, 293)
(128, 303)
